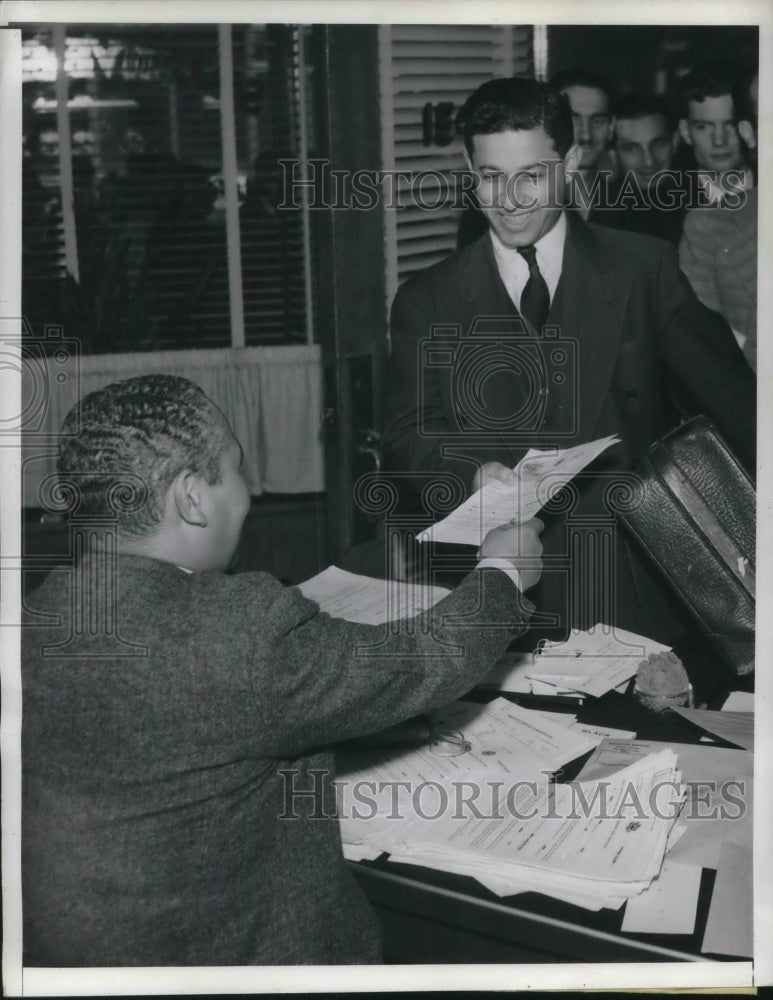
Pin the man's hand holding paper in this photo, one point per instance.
(516, 547)
(513, 494)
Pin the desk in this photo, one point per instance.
(438, 917)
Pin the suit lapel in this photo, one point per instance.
(589, 309)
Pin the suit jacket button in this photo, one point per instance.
(632, 394)
(547, 422)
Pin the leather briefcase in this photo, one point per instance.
(693, 512)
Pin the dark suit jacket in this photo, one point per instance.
(164, 817)
(466, 383)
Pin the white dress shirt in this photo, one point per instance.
(514, 270)
(494, 562)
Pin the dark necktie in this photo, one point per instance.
(535, 297)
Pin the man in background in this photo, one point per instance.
(648, 197)
(591, 101)
(718, 250)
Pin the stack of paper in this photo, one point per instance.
(491, 811)
(719, 785)
(541, 474)
(587, 663)
(595, 845)
(379, 788)
(714, 830)
(367, 600)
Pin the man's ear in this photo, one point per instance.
(186, 493)
(572, 161)
(684, 131)
(675, 141)
(746, 132)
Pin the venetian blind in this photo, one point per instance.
(424, 68)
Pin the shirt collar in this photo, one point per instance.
(550, 248)
(549, 245)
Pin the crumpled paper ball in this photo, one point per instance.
(662, 682)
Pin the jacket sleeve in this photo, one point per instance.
(416, 423)
(707, 370)
(318, 680)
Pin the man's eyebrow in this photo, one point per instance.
(527, 166)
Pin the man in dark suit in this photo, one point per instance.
(550, 332)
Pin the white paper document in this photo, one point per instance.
(587, 663)
(739, 701)
(669, 905)
(730, 924)
(540, 476)
(366, 600)
(591, 662)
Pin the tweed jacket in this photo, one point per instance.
(167, 749)
(718, 253)
(627, 347)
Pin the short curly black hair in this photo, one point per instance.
(124, 444)
(718, 78)
(516, 104)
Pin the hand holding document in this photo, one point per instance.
(366, 600)
(540, 475)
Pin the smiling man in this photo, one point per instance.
(649, 196)
(593, 124)
(549, 332)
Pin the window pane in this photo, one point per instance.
(145, 125)
(266, 84)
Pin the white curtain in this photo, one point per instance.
(272, 397)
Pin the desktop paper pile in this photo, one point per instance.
(492, 812)
(587, 663)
